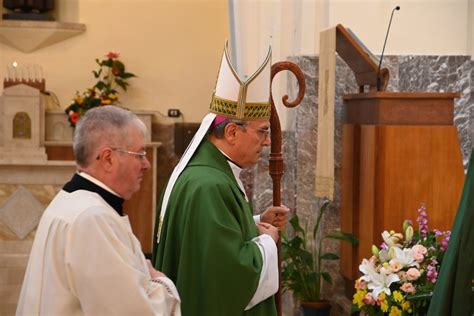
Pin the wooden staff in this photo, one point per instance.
(276, 156)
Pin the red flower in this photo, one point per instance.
(112, 55)
(74, 117)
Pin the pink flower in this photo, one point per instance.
(112, 55)
(360, 285)
(413, 274)
(418, 257)
(420, 249)
(422, 221)
(408, 288)
(419, 252)
(368, 299)
(445, 241)
(431, 274)
(395, 265)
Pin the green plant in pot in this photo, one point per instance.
(302, 258)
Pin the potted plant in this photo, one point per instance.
(111, 75)
(302, 258)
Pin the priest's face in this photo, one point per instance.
(252, 138)
(132, 164)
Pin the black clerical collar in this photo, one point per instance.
(233, 162)
(228, 158)
(80, 183)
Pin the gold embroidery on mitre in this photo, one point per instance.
(228, 108)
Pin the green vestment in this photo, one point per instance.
(454, 290)
(205, 245)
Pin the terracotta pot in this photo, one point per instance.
(318, 308)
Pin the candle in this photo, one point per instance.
(14, 71)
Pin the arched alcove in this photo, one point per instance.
(22, 125)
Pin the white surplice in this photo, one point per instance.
(85, 260)
(268, 281)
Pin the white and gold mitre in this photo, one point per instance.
(239, 99)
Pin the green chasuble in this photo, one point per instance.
(205, 245)
(454, 290)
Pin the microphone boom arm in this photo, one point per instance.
(383, 49)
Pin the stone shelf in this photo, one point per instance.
(28, 36)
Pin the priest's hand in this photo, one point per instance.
(276, 215)
(153, 272)
(272, 231)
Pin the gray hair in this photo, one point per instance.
(103, 126)
(218, 130)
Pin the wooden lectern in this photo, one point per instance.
(399, 150)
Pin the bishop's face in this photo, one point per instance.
(252, 137)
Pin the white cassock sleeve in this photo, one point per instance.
(268, 282)
(107, 271)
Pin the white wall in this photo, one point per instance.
(421, 27)
(470, 27)
(173, 46)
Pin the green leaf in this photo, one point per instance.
(122, 84)
(343, 236)
(419, 297)
(327, 277)
(324, 206)
(307, 257)
(322, 209)
(97, 73)
(295, 243)
(107, 62)
(119, 65)
(295, 223)
(329, 256)
(127, 75)
(100, 85)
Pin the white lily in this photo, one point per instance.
(403, 257)
(368, 269)
(381, 283)
(377, 282)
(392, 239)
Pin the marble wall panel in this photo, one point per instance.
(43, 193)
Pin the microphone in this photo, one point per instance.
(383, 49)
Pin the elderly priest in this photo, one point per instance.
(85, 259)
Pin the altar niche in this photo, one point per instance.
(22, 125)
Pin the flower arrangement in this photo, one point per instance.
(400, 276)
(111, 75)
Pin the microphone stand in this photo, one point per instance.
(383, 49)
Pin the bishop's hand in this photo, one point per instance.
(276, 215)
(272, 231)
